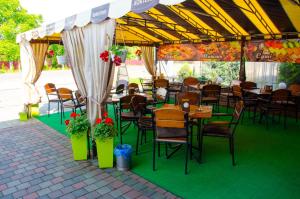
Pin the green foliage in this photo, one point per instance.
(13, 20)
(228, 71)
(289, 73)
(104, 130)
(185, 71)
(58, 50)
(78, 125)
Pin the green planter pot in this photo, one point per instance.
(105, 152)
(23, 116)
(34, 110)
(79, 146)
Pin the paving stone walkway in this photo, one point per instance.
(36, 162)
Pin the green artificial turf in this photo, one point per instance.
(268, 163)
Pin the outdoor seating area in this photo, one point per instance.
(210, 110)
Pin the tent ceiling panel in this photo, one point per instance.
(178, 21)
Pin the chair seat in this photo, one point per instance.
(216, 130)
(145, 122)
(173, 140)
(129, 115)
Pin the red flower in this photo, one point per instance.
(104, 56)
(108, 121)
(67, 122)
(117, 60)
(51, 53)
(105, 114)
(98, 120)
(73, 115)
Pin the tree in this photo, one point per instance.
(14, 20)
(289, 73)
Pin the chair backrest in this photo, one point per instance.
(80, 99)
(120, 88)
(194, 98)
(280, 95)
(65, 94)
(161, 83)
(170, 123)
(211, 90)
(190, 81)
(50, 88)
(138, 104)
(133, 85)
(235, 82)
(248, 85)
(125, 101)
(237, 91)
(295, 89)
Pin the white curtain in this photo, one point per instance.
(30, 71)
(263, 73)
(74, 45)
(99, 74)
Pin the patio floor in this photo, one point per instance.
(36, 162)
(268, 163)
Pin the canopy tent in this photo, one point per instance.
(152, 23)
(149, 22)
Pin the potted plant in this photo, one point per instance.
(50, 55)
(120, 51)
(104, 132)
(77, 128)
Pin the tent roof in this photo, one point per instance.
(149, 22)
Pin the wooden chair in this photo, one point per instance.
(276, 103)
(189, 81)
(126, 114)
(225, 129)
(134, 87)
(147, 85)
(228, 94)
(80, 100)
(144, 121)
(52, 96)
(248, 85)
(211, 94)
(194, 98)
(171, 127)
(249, 102)
(67, 100)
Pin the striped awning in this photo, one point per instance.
(149, 22)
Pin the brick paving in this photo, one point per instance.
(36, 162)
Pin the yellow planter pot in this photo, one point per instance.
(79, 146)
(105, 152)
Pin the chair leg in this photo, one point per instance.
(154, 148)
(58, 107)
(48, 108)
(186, 157)
(232, 150)
(200, 143)
(137, 141)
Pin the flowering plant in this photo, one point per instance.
(77, 125)
(50, 53)
(104, 128)
(115, 52)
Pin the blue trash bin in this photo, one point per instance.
(123, 156)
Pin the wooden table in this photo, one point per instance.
(196, 112)
(258, 91)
